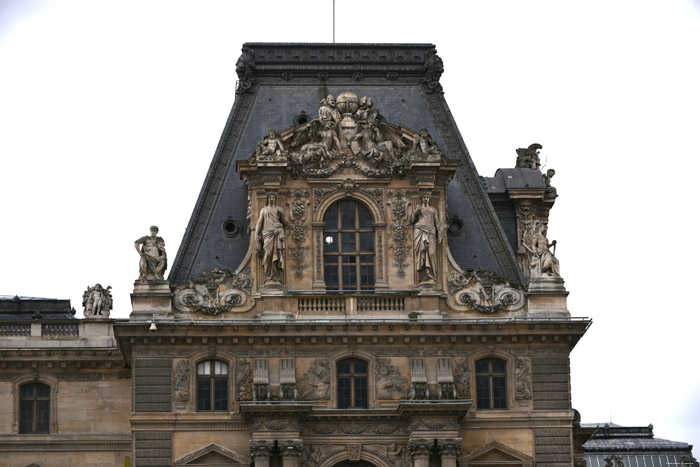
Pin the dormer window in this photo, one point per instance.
(348, 247)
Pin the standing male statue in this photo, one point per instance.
(543, 263)
(269, 236)
(426, 235)
(154, 260)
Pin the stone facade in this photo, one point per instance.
(444, 339)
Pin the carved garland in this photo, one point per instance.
(297, 213)
(399, 231)
(214, 292)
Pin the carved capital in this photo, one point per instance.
(420, 447)
(450, 447)
(261, 449)
(292, 448)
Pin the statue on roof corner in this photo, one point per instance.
(270, 240)
(97, 301)
(542, 262)
(424, 148)
(528, 158)
(426, 236)
(154, 260)
(271, 147)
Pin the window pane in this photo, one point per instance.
(348, 242)
(42, 390)
(330, 272)
(203, 369)
(42, 417)
(498, 366)
(330, 219)
(482, 366)
(26, 416)
(344, 367)
(347, 214)
(221, 394)
(366, 221)
(203, 394)
(349, 272)
(344, 396)
(499, 392)
(360, 367)
(367, 241)
(27, 391)
(483, 392)
(361, 393)
(330, 242)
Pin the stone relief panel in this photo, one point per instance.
(181, 381)
(399, 230)
(391, 384)
(215, 292)
(244, 380)
(523, 379)
(462, 374)
(315, 384)
(483, 292)
(299, 229)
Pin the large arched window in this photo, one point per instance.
(34, 405)
(348, 248)
(352, 384)
(212, 385)
(491, 384)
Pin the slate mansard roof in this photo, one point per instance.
(279, 81)
(29, 308)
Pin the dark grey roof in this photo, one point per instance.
(507, 179)
(29, 308)
(277, 82)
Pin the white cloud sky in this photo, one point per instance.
(110, 112)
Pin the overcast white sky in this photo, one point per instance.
(110, 112)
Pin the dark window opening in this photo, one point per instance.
(212, 386)
(348, 247)
(491, 384)
(34, 405)
(352, 384)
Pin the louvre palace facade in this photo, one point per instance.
(349, 292)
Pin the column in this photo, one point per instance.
(449, 451)
(291, 452)
(420, 450)
(260, 452)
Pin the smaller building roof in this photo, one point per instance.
(508, 179)
(16, 308)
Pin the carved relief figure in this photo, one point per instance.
(542, 262)
(523, 379)
(97, 301)
(328, 112)
(426, 235)
(424, 148)
(181, 381)
(154, 260)
(270, 241)
(316, 382)
(270, 147)
(398, 456)
(244, 380)
(391, 384)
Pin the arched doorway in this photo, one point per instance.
(354, 464)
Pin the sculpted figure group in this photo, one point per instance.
(349, 130)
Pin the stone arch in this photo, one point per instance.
(371, 365)
(366, 456)
(209, 354)
(349, 195)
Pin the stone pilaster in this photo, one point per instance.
(449, 451)
(260, 452)
(291, 452)
(420, 451)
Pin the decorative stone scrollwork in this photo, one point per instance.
(181, 381)
(420, 447)
(450, 447)
(315, 384)
(484, 292)
(433, 72)
(97, 301)
(523, 379)
(261, 449)
(349, 186)
(399, 230)
(391, 384)
(291, 449)
(245, 69)
(528, 158)
(214, 292)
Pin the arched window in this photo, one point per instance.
(352, 384)
(348, 248)
(212, 385)
(34, 405)
(491, 384)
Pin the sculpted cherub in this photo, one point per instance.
(97, 301)
(271, 147)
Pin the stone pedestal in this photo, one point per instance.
(151, 298)
(547, 297)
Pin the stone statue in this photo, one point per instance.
(270, 147)
(154, 260)
(528, 158)
(550, 192)
(426, 235)
(97, 301)
(328, 112)
(269, 235)
(424, 148)
(542, 262)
